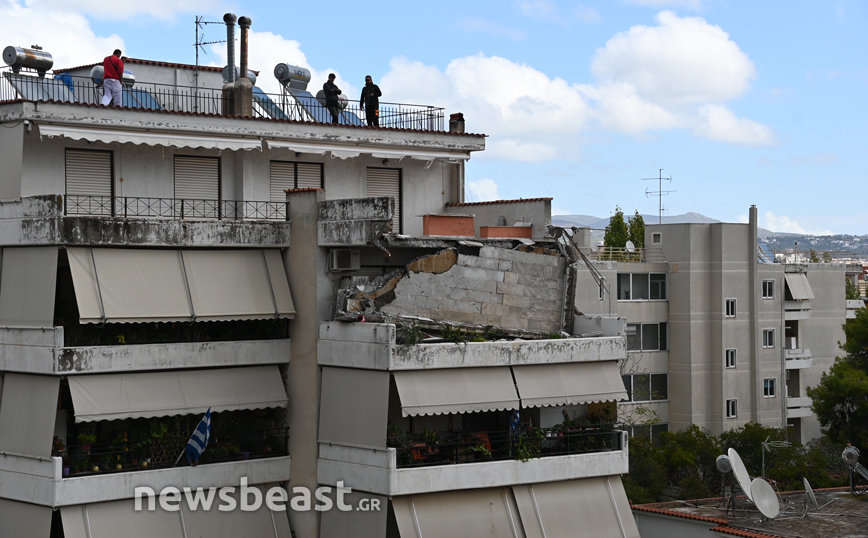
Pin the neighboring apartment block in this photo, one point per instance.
(323, 289)
(719, 334)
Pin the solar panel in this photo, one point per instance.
(268, 105)
(138, 98)
(29, 88)
(320, 113)
(58, 90)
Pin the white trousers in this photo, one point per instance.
(112, 92)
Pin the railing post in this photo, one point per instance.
(182, 209)
(125, 206)
(286, 214)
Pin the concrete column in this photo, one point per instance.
(754, 316)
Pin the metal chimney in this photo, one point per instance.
(244, 23)
(230, 19)
(456, 123)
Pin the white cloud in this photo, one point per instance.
(158, 9)
(681, 61)
(483, 190)
(560, 211)
(780, 223)
(716, 122)
(619, 108)
(479, 25)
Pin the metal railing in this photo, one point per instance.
(99, 458)
(468, 447)
(155, 96)
(621, 254)
(174, 208)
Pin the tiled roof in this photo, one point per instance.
(676, 513)
(743, 533)
(496, 202)
(150, 62)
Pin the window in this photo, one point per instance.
(656, 238)
(732, 408)
(768, 289)
(386, 182)
(198, 179)
(769, 387)
(641, 286)
(646, 387)
(88, 182)
(290, 175)
(730, 358)
(730, 308)
(768, 338)
(647, 336)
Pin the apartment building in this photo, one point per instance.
(719, 334)
(196, 250)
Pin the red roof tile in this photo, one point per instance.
(496, 202)
(675, 513)
(150, 62)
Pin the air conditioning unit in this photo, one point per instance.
(343, 259)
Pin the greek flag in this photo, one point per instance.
(199, 440)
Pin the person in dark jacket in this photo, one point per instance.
(331, 95)
(113, 68)
(370, 102)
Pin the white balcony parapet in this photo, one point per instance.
(42, 351)
(372, 346)
(799, 402)
(40, 480)
(375, 470)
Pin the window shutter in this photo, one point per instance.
(197, 178)
(89, 174)
(282, 179)
(309, 176)
(387, 182)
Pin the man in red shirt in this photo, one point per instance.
(113, 68)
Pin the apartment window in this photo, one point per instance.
(646, 387)
(768, 338)
(732, 408)
(292, 175)
(769, 387)
(641, 286)
(730, 358)
(647, 337)
(386, 182)
(198, 179)
(768, 289)
(89, 182)
(656, 238)
(730, 308)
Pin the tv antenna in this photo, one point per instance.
(767, 446)
(200, 44)
(660, 193)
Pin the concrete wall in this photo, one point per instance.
(537, 212)
(12, 157)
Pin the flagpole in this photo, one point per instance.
(179, 456)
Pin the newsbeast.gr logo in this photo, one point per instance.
(250, 499)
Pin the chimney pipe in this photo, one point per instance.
(244, 23)
(456, 123)
(230, 19)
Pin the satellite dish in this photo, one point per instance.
(765, 498)
(809, 494)
(850, 456)
(723, 464)
(630, 246)
(740, 472)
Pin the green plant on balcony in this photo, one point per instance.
(85, 439)
(528, 444)
(478, 453)
(400, 440)
(409, 334)
(459, 335)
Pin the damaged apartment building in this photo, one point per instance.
(324, 289)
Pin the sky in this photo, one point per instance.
(740, 103)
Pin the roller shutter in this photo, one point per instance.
(88, 182)
(288, 175)
(197, 178)
(387, 182)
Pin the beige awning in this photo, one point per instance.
(160, 394)
(456, 390)
(598, 506)
(150, 138)
(148, 285)
(362, 423)
(450, 514)
(345, 152)
(24, 519)
(27, 287)
(543, 385)
(800, 289)
(28, 411)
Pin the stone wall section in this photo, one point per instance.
(500, 287)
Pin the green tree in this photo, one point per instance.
(616, 232)
(814, 258)
(636, 226)
(827, 258)
(852, 290)
(840, 401)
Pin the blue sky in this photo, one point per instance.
(740, 102)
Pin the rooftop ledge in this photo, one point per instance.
(373, 346)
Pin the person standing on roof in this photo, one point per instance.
(331, 95)
(370, 102)
(113, 73)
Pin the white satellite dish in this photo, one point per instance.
(723, 464)
(765, 498)
(809, 494)
(630, 246)
(740, 472)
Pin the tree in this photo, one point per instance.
(616, 232)
(814, 258)
(827, 258)
(852, 290)
(636, 225)
(840, 401)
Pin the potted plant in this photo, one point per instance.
(478, 453)
(86, 439)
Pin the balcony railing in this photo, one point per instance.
(174, 208)
(621, 254)
(162, 453)
(464, 447)
(153, 96)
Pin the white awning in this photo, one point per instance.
(346, 152)
(598, 506)
(456, 390)
(150, 138)
(451, 514)
(188, 392)
(542, 385)
(800, 289)
(149, 285)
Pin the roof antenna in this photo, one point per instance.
(200, 43)
(660, 193)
